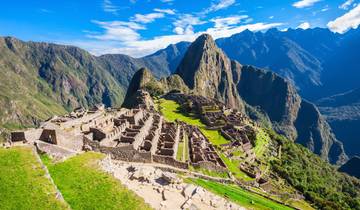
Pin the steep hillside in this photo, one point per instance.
(206, 71)
(352, 167)
(342, 111)
(39, 80)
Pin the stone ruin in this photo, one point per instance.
(202, 152)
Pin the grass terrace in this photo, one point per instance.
(171, 111)
(183, 150)
(261, 142)
(239, 195)
(23, 184)
(85, 186)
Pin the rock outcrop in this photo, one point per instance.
(206, 70)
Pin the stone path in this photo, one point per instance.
(163, 190)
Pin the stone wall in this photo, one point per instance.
(169, 161)
(210, 166)
(125, 153)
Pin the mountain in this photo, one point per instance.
(352, 167)
(207, 71)
(38, 80)
(317, 61)
(342, 111)
(162, 63)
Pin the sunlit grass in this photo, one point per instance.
(239, 195)
(171, 111)
(85, 186)
(23, 184)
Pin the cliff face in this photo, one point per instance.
(206, 70)
(352, 167)
(272, 94)
(342, 111)
(290, 115)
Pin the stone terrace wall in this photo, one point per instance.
(126, 153)
(169, 161)
(210, 166)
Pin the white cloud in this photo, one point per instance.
(166, 11)
(326, 8)
(349, 20)
(271, 17)
(184, 24)
(225, 32)
(346, 5)
(304, 25)
(305, 3)
(148, 18)
(228, 21)
(117, 31)
(179, 30)
(108, 6)
(138, 47)
(221, 4)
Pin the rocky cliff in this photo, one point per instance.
(206, 70)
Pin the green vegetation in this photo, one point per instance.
(316, 179)
(239, 195)
(183, 150)
(233, 167)
(84, 186)
(171, 112)
(209, 172)
(261, 142)
(23, 184)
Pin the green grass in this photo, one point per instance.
(183, 150)
(261, 142)
(239, 195)
(171, 111)
(180, 152)
(209, 172)
(233, 167)
(85, 186)
(23, 184)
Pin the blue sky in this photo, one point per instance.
(140, 27)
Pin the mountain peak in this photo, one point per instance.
(206, 70)
(205, 41)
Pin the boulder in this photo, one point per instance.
(189, 190)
